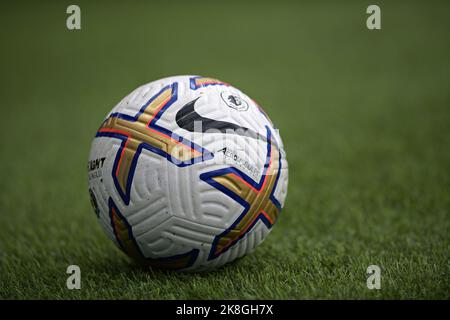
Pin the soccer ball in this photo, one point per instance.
(187, 173)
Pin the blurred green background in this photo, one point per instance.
(365, 118)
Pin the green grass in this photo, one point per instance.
(365, 117)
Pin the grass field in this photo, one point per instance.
(365, 118)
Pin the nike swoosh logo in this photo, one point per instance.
(187, 116)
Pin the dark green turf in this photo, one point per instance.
(365, 117)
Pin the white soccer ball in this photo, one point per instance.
(187, 173)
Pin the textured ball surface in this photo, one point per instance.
(187, 173)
